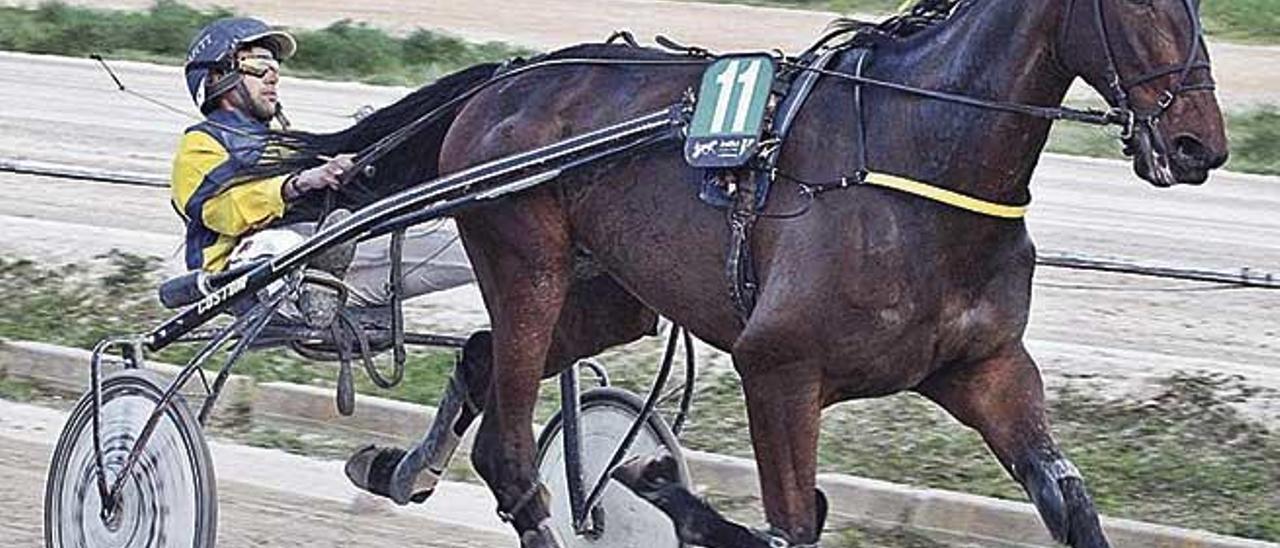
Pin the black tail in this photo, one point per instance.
(414, 161)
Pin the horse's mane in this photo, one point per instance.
(923, 15)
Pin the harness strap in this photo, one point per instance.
(537, 490)
(902, 184)
(859, 116)
(949, 197)
(750, 189)
(739, 264)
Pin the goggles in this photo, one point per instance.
(258, 66)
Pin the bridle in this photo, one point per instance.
(1142, 128)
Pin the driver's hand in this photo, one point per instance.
(328, 175)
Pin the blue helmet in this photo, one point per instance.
(215, 47)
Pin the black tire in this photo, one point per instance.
(628, 520)
(171, 498)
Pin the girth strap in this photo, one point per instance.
(739, 265)
(865, 176)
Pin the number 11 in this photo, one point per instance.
(726, 81)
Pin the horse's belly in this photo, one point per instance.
(662, 244)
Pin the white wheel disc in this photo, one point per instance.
(167, 498)
(628, 520)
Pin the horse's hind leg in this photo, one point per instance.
(1003, 399)
(783, 405)
(597, 314)
(411, 476)
(523, 261)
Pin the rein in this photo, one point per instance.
(1115, 116)
(364, 160)
(1122, 114)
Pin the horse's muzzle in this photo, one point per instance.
(1183, 160)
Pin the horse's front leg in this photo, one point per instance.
(1002, 397)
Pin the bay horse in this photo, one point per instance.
(870, 292)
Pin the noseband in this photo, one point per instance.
(1139, 133)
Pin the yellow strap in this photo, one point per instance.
(951, 198)
(906, 5)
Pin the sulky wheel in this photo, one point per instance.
(625, 520)
(169, 498)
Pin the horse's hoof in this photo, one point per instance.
(646, 474)
(372, 468)
(1065, 507)
(542, 537)
(820, 504)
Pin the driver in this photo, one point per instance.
(232, 73)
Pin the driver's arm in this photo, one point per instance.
(201, 172)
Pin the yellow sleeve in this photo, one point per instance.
(200, 176)
(199, 154)
(245, 207)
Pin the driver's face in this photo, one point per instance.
(261, 73)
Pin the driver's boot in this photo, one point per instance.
(320, 304)
(411, 476)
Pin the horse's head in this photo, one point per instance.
(1148, 59)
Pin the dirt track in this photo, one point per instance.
(1246, 74)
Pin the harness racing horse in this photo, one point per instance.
(870, 292)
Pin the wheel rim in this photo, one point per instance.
(160, 503)
(628, 519)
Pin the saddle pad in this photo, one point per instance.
(711, 193)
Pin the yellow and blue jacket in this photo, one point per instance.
(217, 213)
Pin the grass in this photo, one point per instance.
(1253, 135)
(77, 305)
(344, 50)
(1185, 456)
(17, 390)
(1255, 141)
(1252, 21)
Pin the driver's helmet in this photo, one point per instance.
(215, 47)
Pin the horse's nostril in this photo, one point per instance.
(1191, 153)
(1191, 148)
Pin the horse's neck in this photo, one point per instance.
(1000, 49)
